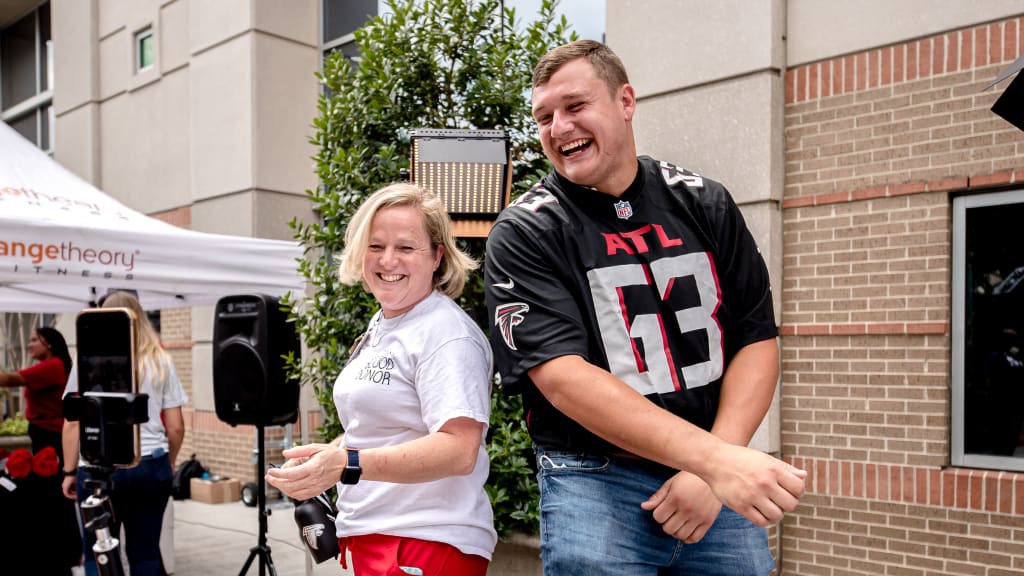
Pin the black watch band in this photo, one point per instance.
(71, 472)
(352, 471)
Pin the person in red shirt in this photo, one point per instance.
(53, 514)
(44, 384)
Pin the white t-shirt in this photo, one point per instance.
(411, 375)
(152, 434)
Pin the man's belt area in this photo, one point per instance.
(629, 459)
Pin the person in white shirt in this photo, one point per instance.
(414, 400)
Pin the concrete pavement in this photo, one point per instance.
(216, 539)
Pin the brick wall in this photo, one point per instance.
(876, 143)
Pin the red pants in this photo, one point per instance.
(381, 555)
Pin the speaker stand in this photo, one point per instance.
(261, 549)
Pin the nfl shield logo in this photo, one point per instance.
(623, 209)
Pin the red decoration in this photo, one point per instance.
(45, 462)
(19, 463)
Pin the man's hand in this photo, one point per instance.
(685, 507)
(754, 484)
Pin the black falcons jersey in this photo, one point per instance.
(660, 287)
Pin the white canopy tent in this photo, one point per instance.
(63, 243)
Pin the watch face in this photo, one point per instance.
(351, 473)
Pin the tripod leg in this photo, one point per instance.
(270, 562)
(248, 562)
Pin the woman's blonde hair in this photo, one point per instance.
(148, 351)
(450, 276)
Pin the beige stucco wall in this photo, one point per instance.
(708, 81)
(219, 126)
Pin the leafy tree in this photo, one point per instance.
(428, 64)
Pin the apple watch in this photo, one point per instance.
(352, 471)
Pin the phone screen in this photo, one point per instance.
(106, 343)
(107, 381)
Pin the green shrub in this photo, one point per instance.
(429, 64)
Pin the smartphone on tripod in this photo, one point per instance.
(109, 410)
(107, 378)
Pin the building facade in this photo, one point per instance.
(856, 136)
(859, 141)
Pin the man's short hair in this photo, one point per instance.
(608, 66)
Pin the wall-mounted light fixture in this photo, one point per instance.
(469, 169)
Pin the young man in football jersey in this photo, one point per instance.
(632, 310)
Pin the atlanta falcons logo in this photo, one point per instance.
(310, 533)
(506, 317)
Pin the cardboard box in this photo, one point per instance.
(216, 491)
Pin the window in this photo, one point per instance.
(143, 49)
(26, 82)
(988, 331)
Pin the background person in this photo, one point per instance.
(633, 311)
(44, 384)
(414, 400)
(138, 495)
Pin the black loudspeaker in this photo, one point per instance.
(251, 334)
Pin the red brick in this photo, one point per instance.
(995, 43)
(977, 487)
(848, 77)
(924, 58)
(1018, 495)
(883, 481)
(909, 492)
(870, 481)
(927, 328)
(906, 188)
(981, 46)
(938, 54)
(814, 72)
(991, 495)
(911, 61)
(862, 72)
(886, 66)
(1005, 494)
(935, 487)
(996, 179)
(847, 329)
(798, 202)
(868, 193)
(837, 77)
(801, 84)
(873, 69)
(790, 86)
(895, 483)
(949, 489)
(963, 484)
(821, 476)
(966, 49)
(812, 330)
(885, 328)
(957, 183)
(833, 198)
(952, 49)
(899, 63)
(1010, 41)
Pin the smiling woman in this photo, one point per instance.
(414, 400)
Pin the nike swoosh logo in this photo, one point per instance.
(506, 285)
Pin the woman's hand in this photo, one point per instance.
(70, 487)
(309, 470)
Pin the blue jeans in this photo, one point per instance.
(139, 498)
(592, 524)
